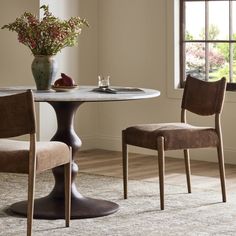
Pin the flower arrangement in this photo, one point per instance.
(49, 35)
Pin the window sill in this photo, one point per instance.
(177, 93)
(231, 87)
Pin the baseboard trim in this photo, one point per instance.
(113, 143)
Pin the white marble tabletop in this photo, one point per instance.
(81, 94)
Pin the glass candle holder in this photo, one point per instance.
(103, 81)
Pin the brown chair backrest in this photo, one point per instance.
(202, 97)
(17, 115)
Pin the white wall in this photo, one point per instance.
(136, 48)
(86, 119)
(78, 62)
(16, 59)
(132, 50)
(131, 40)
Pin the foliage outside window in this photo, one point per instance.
(208, 40)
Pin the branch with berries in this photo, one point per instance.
(49, 35)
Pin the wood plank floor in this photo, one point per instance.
(143, 167)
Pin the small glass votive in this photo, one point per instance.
(103, 81)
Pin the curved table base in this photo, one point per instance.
(50, 208)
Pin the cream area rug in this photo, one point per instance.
(199, 213)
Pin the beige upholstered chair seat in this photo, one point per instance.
(176, 136)
(14, 155)
(30, 157)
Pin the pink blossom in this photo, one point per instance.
(195, 56)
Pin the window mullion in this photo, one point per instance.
(206, 38)
(230, 44)
(219, 52)
(182, 44)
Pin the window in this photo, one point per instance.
(208, 40)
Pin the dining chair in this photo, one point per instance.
(201, 98)
(30, 157)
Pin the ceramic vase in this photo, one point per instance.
(44, 70)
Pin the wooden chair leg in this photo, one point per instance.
(67, 171)
(222, 171)
(161, 165)
(187, 169)
(30, 210)
(125, 165)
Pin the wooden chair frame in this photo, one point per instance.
(160, 141)
(19, 119)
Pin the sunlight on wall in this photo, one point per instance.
(67, 63)
(80, 63)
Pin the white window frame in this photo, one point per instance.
(172, 53)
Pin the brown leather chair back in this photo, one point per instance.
(17, 119)
(203, 98)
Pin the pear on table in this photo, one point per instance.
(64, 81)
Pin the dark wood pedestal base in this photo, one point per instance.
(52, 206)
(84, 207)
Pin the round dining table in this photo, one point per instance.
(65, 105)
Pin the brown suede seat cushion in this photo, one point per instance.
(14, 155)
(176, 135)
